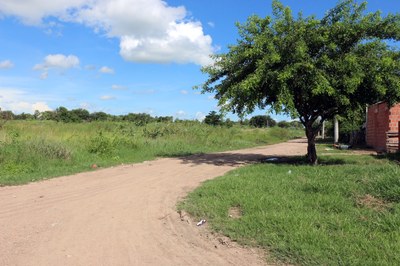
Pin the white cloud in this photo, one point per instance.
(180, 114)
(184, 92)
(148, 30)
(106, 70)
(33, 11)
(200, 116)
(58, 61)
(107, 97)
(6, 64)
(182, 43)
(211, 24)
(19, 101)
(118, 87)
(41, 106)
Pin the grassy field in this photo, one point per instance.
(35, 150)
(345, 211)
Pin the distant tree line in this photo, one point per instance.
(259, 121)
(62, 114)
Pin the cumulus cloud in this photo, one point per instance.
(200, 116)
(106, 70)
(33, 12)
(107, 97)
(58, 61)
(6, 64)
(148, 30)
(20, 101)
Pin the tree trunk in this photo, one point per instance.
(311, 150)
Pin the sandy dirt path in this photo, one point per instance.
(125, 215)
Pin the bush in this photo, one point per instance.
(47, 149)
(213, 119)
(262, 121)
(284, 124)
(102, 145)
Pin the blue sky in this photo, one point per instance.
(121, 56)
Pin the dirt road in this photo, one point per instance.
(124, 215)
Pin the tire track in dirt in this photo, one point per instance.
(124, 215)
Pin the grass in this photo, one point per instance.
(345, 211)
(35, 150)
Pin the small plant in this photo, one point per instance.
(101, 144)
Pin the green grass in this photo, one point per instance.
(344, 212)
(35, 150)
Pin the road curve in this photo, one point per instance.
(124, 215)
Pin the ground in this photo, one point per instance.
(124, 215)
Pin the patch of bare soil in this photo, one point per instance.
(124, 215)
(235, 212)
(373, 203)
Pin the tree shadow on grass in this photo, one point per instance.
(237, 159)
(223, 159)
(302, 160)
(176, 154)
(393, 157)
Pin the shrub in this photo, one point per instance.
(101, 144)
(262, 121)
(48, 149)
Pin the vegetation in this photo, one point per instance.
(262, 121)
(310, 68)
(62, 114)
(213, 119)
(344, 212)
(33, 150)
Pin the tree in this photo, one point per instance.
(7, 115)
(79, 115)
(309, 68)
(284, 124)
(262, 121)
(98, 116)
(213, 119)
(139, 119)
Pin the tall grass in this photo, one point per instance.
(343, 212)
(33, 150)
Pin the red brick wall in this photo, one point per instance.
(381, 119)
(377, 126)
(394, 118)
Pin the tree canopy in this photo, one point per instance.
(308, 67)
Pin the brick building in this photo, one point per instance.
(383, 126)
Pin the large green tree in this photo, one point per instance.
(308, 67)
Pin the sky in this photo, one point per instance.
(124, 56)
